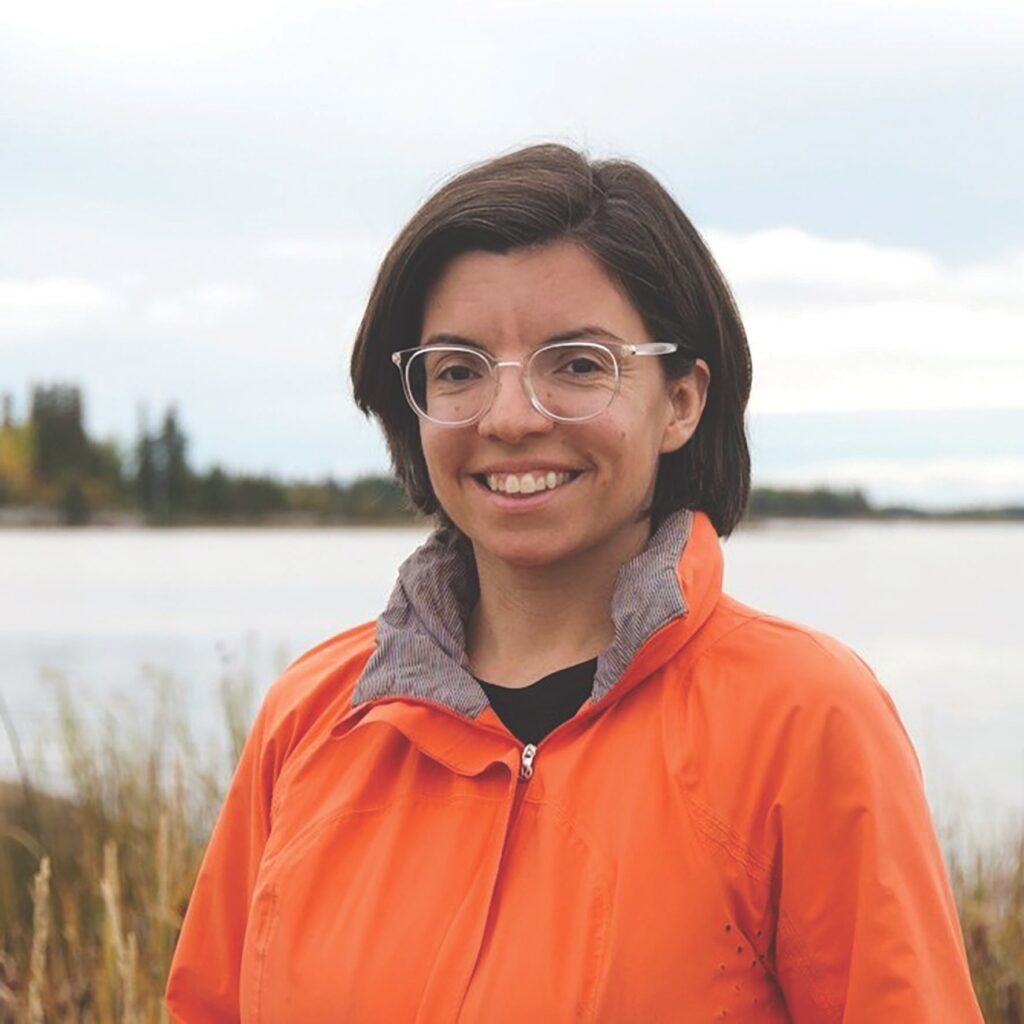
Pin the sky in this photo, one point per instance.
(195, 199)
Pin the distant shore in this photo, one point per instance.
(43, 517)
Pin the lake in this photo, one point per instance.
(933, 608)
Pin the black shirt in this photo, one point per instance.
(531, 712)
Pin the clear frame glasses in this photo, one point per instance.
(567, 381)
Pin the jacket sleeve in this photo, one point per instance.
(202, 985)
(867, 926)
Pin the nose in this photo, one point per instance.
(511, 415)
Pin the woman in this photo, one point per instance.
(564, 775)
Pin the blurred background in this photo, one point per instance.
(194, 201)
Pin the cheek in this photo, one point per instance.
(435, 453)
(445, 453)
(635, 454)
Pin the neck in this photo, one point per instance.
(533, 620)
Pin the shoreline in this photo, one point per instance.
(30, 518)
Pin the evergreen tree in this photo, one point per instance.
(60, 444)
(174, 446)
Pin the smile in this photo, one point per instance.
(529, 482)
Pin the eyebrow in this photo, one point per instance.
(574, 334)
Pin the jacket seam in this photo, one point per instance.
(314, 828)
(267, 926)
(758, 866)
(601, 886)
(724, 837)
(711, 825)
(802, 964)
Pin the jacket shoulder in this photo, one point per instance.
(769, 709)
(776, 663)
(317, 686)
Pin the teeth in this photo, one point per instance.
(526, 483)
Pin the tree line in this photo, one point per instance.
(50, 461)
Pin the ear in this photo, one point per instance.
(687, 396)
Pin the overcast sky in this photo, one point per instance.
(194, 199)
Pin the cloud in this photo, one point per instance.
(200, 306)
(852, 325)
(309, 249)
(52, 303)
(130, 29)
(789, 260)
(787, 257)
(222, 296)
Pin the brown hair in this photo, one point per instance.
(623, 216)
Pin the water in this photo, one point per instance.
(933, 608)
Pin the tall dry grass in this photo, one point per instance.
(989, 887)
(94, 883)
(95, 879)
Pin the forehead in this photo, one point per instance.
(526, 295)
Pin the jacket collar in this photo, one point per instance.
(420, 652)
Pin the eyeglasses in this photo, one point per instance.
(568, 381)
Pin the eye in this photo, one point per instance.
(579, 366)
(456, 373)
(454, 368)
(580, 362)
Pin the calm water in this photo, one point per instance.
(934, 609)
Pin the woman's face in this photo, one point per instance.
(509, 304)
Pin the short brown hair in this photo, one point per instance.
(623, 216)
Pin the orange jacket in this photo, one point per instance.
(732, 827)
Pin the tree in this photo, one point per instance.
(174, 447)
(74, 506)
(60, 444)
(163, 478)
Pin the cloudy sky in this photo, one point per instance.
(194, 199)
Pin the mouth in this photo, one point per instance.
(523, 485)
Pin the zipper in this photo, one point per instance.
(526, 762)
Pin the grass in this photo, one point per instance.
(989, 889)
(94, 882)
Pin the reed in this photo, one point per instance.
(990, 896)
(95, 879)
(95, 873)
(40, 940)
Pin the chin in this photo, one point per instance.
(524, 550)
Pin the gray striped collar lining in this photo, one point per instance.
(421, 633)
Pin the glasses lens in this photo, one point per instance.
(574, 380)
(447, 384)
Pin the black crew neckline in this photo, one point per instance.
(530, 712)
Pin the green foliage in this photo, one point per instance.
(110, 470)
(375, 497)
(74, 505)
(817, 503)
(60, 444)
(163, 482)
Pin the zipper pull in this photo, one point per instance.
(526, 762)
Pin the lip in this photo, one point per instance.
(522, 466)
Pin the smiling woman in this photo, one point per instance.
(564, 775)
